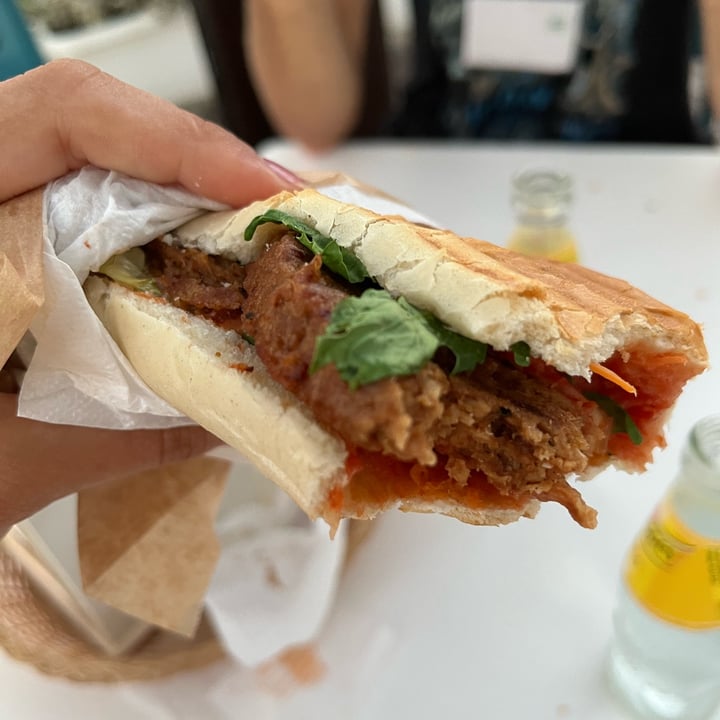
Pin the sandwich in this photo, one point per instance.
(364, 362)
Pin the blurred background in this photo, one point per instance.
(152, 44)
(190, 52)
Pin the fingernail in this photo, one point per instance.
(284, 174)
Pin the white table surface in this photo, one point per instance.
(435, 618)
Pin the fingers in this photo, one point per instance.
(67, 114)
(41, 462)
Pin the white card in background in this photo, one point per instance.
(522, 35)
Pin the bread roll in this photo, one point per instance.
(568, 315)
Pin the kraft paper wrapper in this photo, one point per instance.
(323, 178)
(21, 273)
(335, 183)
(147, 544)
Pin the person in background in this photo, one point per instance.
(306, 62)
(633, 77)
(710, 15)
(58, 118)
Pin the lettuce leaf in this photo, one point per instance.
(374, 336)
(622, 422)
(129, 270)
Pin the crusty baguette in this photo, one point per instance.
(201, 370)
(569, 316)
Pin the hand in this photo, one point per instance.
(58, 118)
(68, 114)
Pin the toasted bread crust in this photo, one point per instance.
(569, 315)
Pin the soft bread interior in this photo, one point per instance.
(569, 315)
(202, 371)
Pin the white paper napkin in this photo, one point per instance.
(78, 375)
(277, 574)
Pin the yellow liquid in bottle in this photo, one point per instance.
(665, 657)
(675, 573)
(554, 242)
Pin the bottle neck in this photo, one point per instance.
(700, 464)
(541, 198)
(695, 494)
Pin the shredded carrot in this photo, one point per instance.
(613, 377)
(668, 359)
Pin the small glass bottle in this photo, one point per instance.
(541, 199)
(665, 658)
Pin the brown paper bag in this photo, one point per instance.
(147, 544)
(21, 276)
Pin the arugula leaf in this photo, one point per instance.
(622, 422)
(521, 351)
(468, 353)
(374, 336)
(336, 258)
(128, 269)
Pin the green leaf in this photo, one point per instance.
(622, 422)
(468, 353)
(374, 336)
(129, 270)
(521, 351)
(336, 258)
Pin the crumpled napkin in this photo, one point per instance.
(89, 216)
(277, 574)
